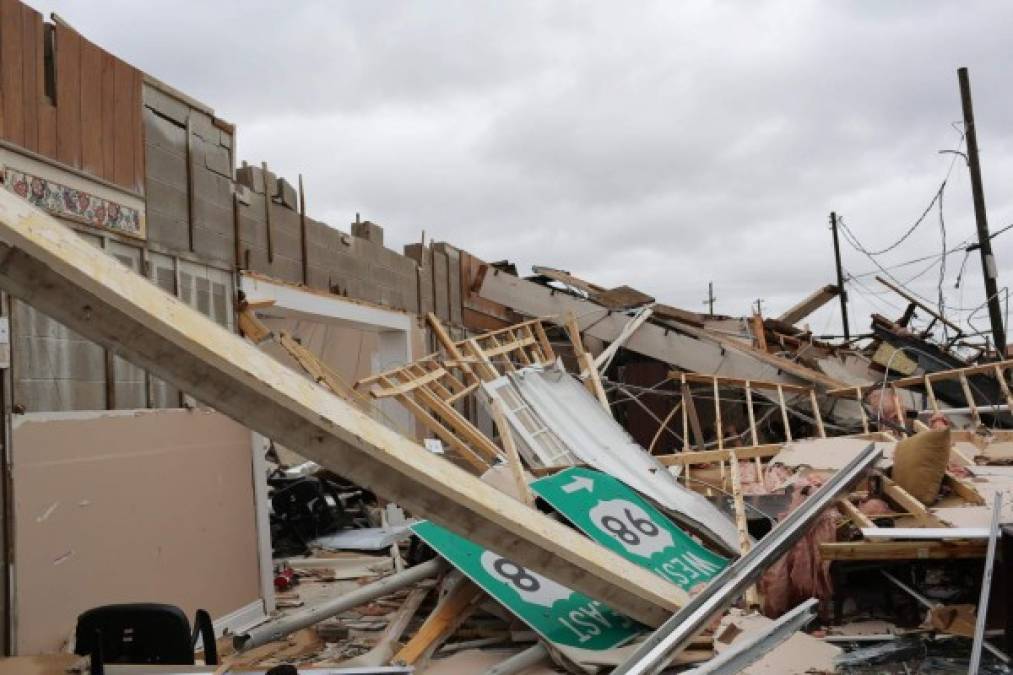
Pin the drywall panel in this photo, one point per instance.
(130, 506)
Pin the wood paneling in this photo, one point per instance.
(108, 112)
(95, 123)
(123, 165)
(11, 80)
(92, 132)
(68, 96)
(31, 49)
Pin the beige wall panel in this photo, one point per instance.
(130, 506)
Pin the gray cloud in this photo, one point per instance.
(657, 144)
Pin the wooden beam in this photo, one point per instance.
(252, 327)
(815, 404)
(953, 374)
(690, 407)
(966, 387)
(585, 362)
(686, 347)
(902, 550)
(784, 413)
(701, 378)
(404, 387)
(711, 456)
(921, 305)
(759, 332)
(903, 499)
(449, 345)
(809, 305)
(859, 519)
(450, 612)
(513, 458)
(45, 264)
(751, 413)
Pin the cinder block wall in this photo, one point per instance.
(354, 264)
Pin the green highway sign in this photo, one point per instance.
(555, 612)
(618, 518)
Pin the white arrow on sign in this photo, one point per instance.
(579, 483)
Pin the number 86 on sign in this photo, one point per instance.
(631, 526)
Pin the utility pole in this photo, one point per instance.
(988, 266)
(710, 298)
(840, 276)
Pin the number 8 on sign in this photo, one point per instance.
(631, 526)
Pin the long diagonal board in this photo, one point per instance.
(608, 512)
(46, 264)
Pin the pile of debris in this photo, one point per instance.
(812, 507)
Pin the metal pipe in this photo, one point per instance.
(738, 657)
(275, 630)
(986, 587)
(675, 634)
(529, 657)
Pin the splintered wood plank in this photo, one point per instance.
(68, 96)
(451, 612)
(49, 266)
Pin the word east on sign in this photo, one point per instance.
(618, 518)
(555, 612)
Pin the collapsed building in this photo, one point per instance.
(333, 454)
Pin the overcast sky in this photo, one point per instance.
(656, 144)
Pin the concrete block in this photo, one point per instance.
(287, 194)
(368, 231)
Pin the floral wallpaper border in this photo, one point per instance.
(75, 204)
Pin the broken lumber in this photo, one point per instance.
(711, 353)
(809, 305)
(47, 265)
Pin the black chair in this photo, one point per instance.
(143, 633)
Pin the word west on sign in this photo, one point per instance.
(615, 516)
(555, 612)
